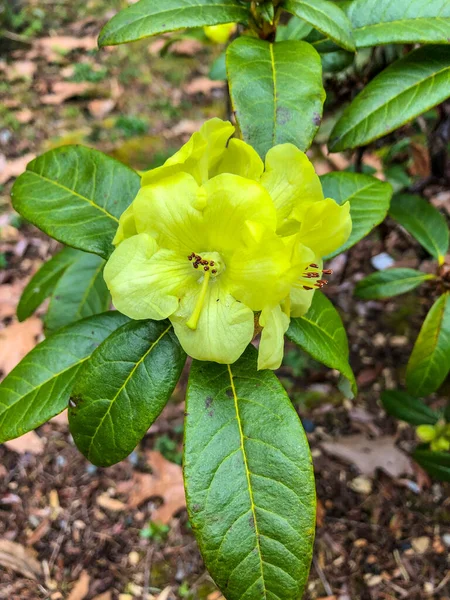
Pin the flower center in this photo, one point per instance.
(210, 264)
(312, 277)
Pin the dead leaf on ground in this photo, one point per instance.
(16, 340)
(52, 48)
(165, 594)
(100, 108)
(421, 165)
(61, 419)
(20, 69)
(18, 558)
(14, 167)
(63, 90)
(184, 127)
(81, 589)
(24, 116)
(369, 455)
(165, 482)
(9, 297)
(104, 596)
(203, 85)
(187, 47)
(29, 442)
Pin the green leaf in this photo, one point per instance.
(424, 222)
(326, 17)
(334, 62)
(321, 334)
(218, 70)
(378, 22)
(369, 202)
(39, 387)
(76, 195)
(150, 17)
(391, 282)
(123, 388)
(437, 464)
(296, 29)
(290, 95)
(408, 408)
(429, 363)
(404, 90)
(249, 481)
(43, 282)
(80, 292)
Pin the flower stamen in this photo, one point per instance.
(193, 319)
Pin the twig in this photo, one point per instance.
(323, 579)
(15, 37)
(147, 569)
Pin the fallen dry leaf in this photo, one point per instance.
(165, 482)
(16, 340)
(187, 47)
(61, 419)
(164, 595)
(24, 116)
(369, 455)
(29, 442)
(100, 108)
(14, 167)
(53, 47)
(203, 85)
(9, 297)
(421, 166)
(63, 90)
(104, 596)
(81, 589)
(14, 556)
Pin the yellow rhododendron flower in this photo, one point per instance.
(215, 236)
(220, 34)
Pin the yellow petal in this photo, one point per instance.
(301, 300)
(224, 328)
(271, 348)
(241, 159)
(291, 181)
(127, 226)
(326, 226)
(145, 283)
(220, 33)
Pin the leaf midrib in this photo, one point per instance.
(397, 22)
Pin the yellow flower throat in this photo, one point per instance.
(211, 264)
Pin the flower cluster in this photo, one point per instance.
(224, 245)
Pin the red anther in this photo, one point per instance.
(204, 262)
(195, 265)
(327, 271)
(190, 257)
(323, 281)
(305, 287)
(314, 266)
(206, 268)
(211, 263)
(214, 271)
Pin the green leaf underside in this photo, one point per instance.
(404, 90)
(369, 202)
(437, 464)
(326, 17)
(43, 282)
(150, 17)
(123, 388)
(391, 282)
(423, 221)
(407, 408)
(429, 363)
(276, 92)
(321, 334)
(39, 387)
(378, 22)
(249, 481)
(76, 195)
(80, 292)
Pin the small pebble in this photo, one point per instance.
(446, 539)
(382, 261)
(362, 485)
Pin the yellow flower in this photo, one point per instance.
(214, 236)
(220, 34)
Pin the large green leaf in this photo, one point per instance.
(249, 481)
(437, 464)
(276, 91)
(321, 334)
(76, 195)
(424, 222)
(391, 282)
(43, 282)
(378, 22)
(408, 408)
(326, 17)
(123, 388)
(39, 387)
(369, 201)
(80, 292)
(429, 363)
(150, 17)
(404, 90)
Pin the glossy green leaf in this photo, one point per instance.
(424, 222)
(437, 464)
(80, 292)
(334, 62)
(123, 388)
(326, 17)
(296, 29)
(150, 17)
(429, 363)
(404, 90)
(378, 22)
(391, 282)
(369, 201)
(321, 334)
(276, 92)
(39, 387)
(76, 195)
(43, 282)
(408, 408)
(249, 481)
